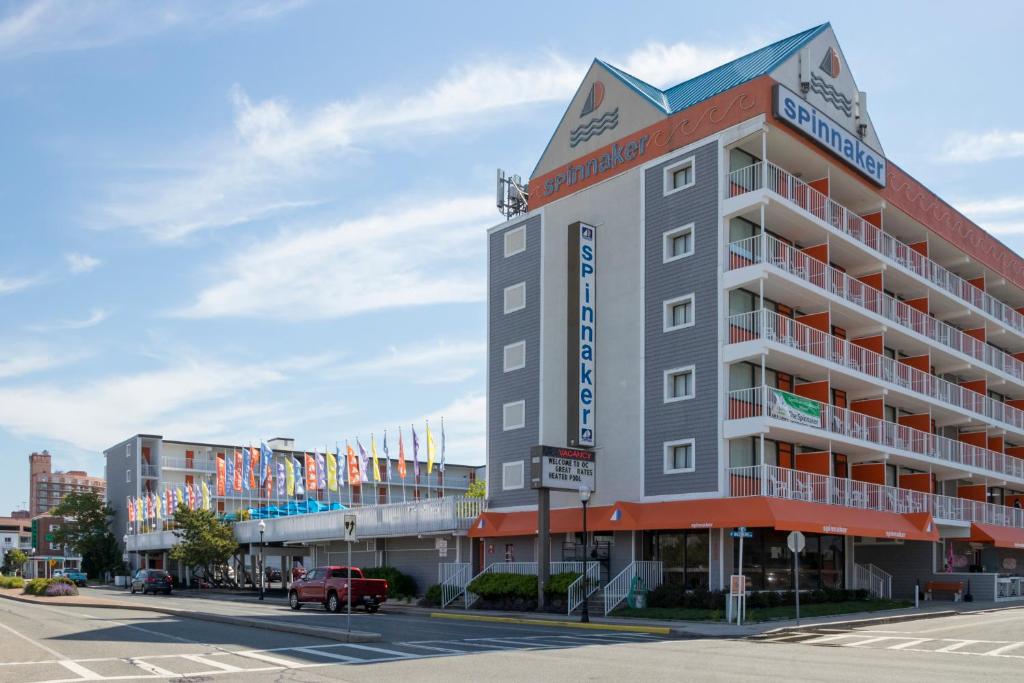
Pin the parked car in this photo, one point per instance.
(152, 581)
(78, 577)
(329, 587)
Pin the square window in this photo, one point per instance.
(515, 356)
(515, 298)
(512, 475)
(678, 243)
(679, 313)
(513, 415)
(679, 176)
(515, 241)
(679, 456)
(679, 384)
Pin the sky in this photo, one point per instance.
(238, 220)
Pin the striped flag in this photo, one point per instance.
(401, 455)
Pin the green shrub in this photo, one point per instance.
(399, 584)
(434, 596)
(39, 586)
(492, 586)
(12, 582)
(558, 584)
(667, 595)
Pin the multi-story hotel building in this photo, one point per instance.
(413, 523)
(48, 488)
(756, 319)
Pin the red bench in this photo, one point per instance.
(954, 587)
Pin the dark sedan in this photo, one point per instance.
(152, 581)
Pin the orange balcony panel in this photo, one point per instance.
(920, 304)
(978, 282)
(874, 219)
(819, 321)
(1016, 451)
(920, 248)
(871, 472)
(875, 343)
(873, 407)
(979, 439)
(922, 363)
(978, 386)
(1017, 403)
(978, 492)
(817, 391)
(821, 185)
(978, 333)
(874, 280)
(996, 443)
(919, 481)
(815, 463)
(921, 422)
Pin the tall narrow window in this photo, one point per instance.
(679, 313)
(513, 415)
(515, 297)
(679, 176)
(515, 241)
(679, 384)
(678, 243)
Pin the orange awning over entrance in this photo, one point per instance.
(717, 513)
(999, 536)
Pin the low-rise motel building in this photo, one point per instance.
(411, 513)
(753, 318)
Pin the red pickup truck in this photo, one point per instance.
(329, 587)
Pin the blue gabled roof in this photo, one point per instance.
(722, 78)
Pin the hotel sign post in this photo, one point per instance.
(738, 582)
(796, 542)
(561, 469)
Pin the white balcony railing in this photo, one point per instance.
(875, 581)
(644, 574)
(771, 402)
(780, 482)
(770, 326)
(764, 248)
(191, 464)
(797, 192)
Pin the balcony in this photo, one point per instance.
(796, 192)
(149, 471)
(188, 464)
(779, 482)
(885, 436)
(764, 248)
(769, 326)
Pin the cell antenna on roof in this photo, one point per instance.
(513, 195)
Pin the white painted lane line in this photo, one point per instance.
(869, 641)
(909, 643)
(252, 654)
(956, 646)
(1002, 650)
(520, 643)
(223, 666)
(329, 655)
(436, 648)
(76, 668)
(829, 639)
(151, 668)
(381, 650)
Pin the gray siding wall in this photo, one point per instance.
(912, 562)
(696, 418)
(522, 384)
(117, 464)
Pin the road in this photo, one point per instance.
(72, 644)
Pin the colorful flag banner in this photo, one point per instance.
(300, 489)
(169, 498)
(289, 466)
(266, 460)
(376, 461)
(310, 471)
(332, 471)
(363, 462)
(415, 455)
(282, 479)
(321, 471)
(131, 509)
(388, 473)
(180, 495)
(221, 476)
(401, 455)
(237, 483)
(206, 496)
(246, 468)
(254, 467)
(441, 467)
(353, 466)
(430, 450)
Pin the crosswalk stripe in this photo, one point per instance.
(329, 655)
(223, 666)
(268, 659)
(909, 643)
(383, 651)
(956, 646)
(77, 668)
(829, 639)
(436, 648)
(869, 641)
(1004, 649)
(151, 668)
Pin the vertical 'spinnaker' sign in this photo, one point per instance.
(582, 305)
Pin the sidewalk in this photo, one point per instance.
(338, 635)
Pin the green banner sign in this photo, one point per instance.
(793, 408)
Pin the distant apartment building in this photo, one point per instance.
(15, 532)
(48, 488)
(46, 556)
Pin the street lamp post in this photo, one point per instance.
(585, 498)
(262, 573)
(127, 559)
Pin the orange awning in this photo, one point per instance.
(718, 513)
(999, 536)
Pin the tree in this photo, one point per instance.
(86, 531)
(478, 489)
(204, 542)
(14, 561)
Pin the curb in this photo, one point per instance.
(659, 630)
(312, 631)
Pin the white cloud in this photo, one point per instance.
(81, 263)
(56, 26)
(95, 318)
(9, 285)
(18, 364)
(440, 363)
(1002, 216)
(258, 171)
(419, 256)
(971, 147)
(197, 398)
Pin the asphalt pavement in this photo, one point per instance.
(69, 644)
